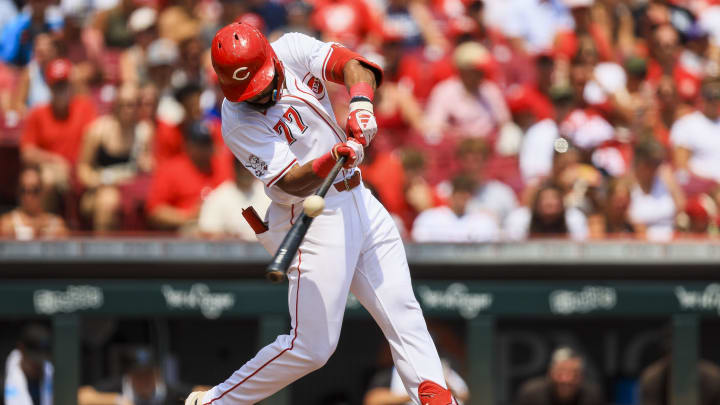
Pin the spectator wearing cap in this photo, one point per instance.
(219, 213)
(141, 383)
(453, 223)
(656, 198)
(162, 58)
(53, 132)
(30, 220)
(115, 156)
(17, 37)
(696, 136)
(28, 372)
(466, 105)
(700, 216)
(564, 384)
(181, 184)
(133, 62)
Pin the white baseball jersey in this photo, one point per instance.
(299, 128)
(353, 246)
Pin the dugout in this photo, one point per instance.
(509, 304)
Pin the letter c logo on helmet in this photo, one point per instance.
(238, 70)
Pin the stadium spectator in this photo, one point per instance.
(32, 90)
(133, 60)
(655, 380)
(613, 220)
(28, 372)
(490, 196)
(535, 158)
(419, 194)
(53, 132)
(168, 141)
(656, 198)
(564, 384)
(181, 183)
(546, 217)
(695, 137)
(298, 20)
(221, 214)
(114, 159)
(161, 64)
(467, 105)
(30, 220)
(654, 384)
(17, 36)
(113, 24)
(454, 223)
(81, 45)
(383, 171)
(700, 216)
(358, 21)
(141, 383)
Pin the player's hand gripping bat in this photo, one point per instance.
(277, 268)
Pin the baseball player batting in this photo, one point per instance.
(278, 121)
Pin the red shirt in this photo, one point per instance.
(179, 184)
(168, 141)
(63, 137)
(344, 21)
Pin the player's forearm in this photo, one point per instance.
(354, 73)
(300, 181)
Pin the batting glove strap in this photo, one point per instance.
(361, 103)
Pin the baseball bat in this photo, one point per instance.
(277, 268)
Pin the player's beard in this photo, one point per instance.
(271, 102)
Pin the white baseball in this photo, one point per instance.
(314, 205)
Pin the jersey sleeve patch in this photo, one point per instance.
(257, 165)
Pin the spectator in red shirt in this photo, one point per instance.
(344, 21)
(169, 141)
(53, 132)
(179, 185)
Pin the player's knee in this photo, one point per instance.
(320, 355)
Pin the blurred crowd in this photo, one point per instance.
(499, 119)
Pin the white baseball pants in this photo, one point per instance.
(352, 246)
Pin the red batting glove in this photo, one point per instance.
(361, 126)
(352, 149)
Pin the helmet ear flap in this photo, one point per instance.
(280, 72)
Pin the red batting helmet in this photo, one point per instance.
(244, 61)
